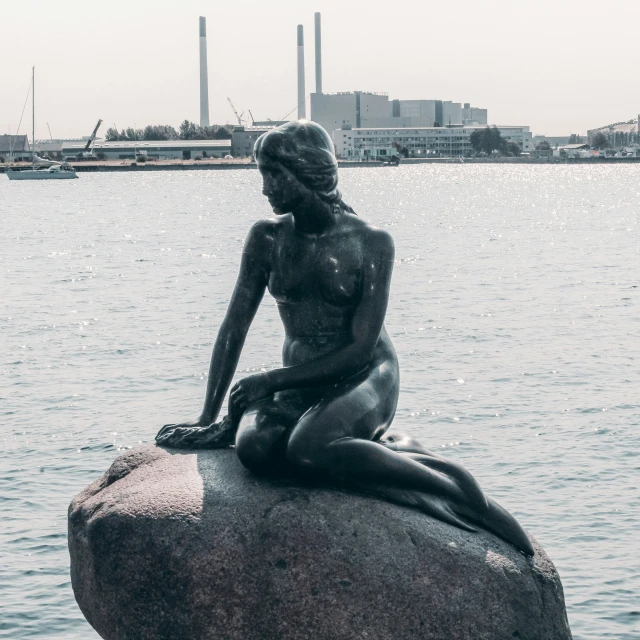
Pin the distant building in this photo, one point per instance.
(243, 139)
(12, 146)
(451, 113)
(357, 108)
(576, 150)
(422, 113)
(473, 115)
(416, 113)
(374, 110)
(619, 134)
(157, 149)
(420, 142)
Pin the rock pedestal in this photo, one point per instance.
(190, 546)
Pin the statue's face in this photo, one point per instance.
(283, 190)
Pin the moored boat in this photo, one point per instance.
(57, 170)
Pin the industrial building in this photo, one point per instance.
(120, 150)
(474, 115)
(157, 149)
(375, 110)
(364, 109)
(420, 142)
(356, 108)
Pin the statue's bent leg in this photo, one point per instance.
(336, 440)
(263, 430)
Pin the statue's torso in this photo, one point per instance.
(317, 283)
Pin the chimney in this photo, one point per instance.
(302, 94)
(318, 53)
(204, 76)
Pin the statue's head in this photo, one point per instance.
(297, 163)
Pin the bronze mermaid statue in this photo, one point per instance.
(326, 412)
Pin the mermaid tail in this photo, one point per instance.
(473, 512)
(494, 519)
(501, 523)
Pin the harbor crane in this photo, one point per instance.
(92, 138)
(235, 111)
(87, 152)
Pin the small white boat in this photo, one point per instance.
(57, 170)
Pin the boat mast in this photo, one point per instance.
(33, 117)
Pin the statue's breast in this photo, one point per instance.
(321, 272)
(338, 278)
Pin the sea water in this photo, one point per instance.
(514, 310)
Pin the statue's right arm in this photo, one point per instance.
(245, 300)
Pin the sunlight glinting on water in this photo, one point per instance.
(514, 311)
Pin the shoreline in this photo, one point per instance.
(242, 163)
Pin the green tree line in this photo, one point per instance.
(187, 131)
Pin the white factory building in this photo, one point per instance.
(364, 124)
(154, 149)
(362, 109)
(421, 142)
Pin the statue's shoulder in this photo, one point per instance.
(375, 237)
(263, 228)
(260, 237)
(266, 230)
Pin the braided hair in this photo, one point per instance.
(306, 150)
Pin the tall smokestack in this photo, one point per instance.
(204, 76)
(318, 53)
(302, 94)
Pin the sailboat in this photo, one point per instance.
(55, 170)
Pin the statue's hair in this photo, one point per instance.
(305, 149)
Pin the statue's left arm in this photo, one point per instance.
(335, 366)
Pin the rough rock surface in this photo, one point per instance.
(190, 546)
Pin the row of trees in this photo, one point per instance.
(490, 139)
(187, 131)
(598, 141)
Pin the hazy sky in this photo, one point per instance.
(559, 66)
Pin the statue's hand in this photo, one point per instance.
(198, 434)
(247, 391)
(190, 424)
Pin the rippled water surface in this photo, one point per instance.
(514, 311)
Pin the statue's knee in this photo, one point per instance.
(254, 450)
